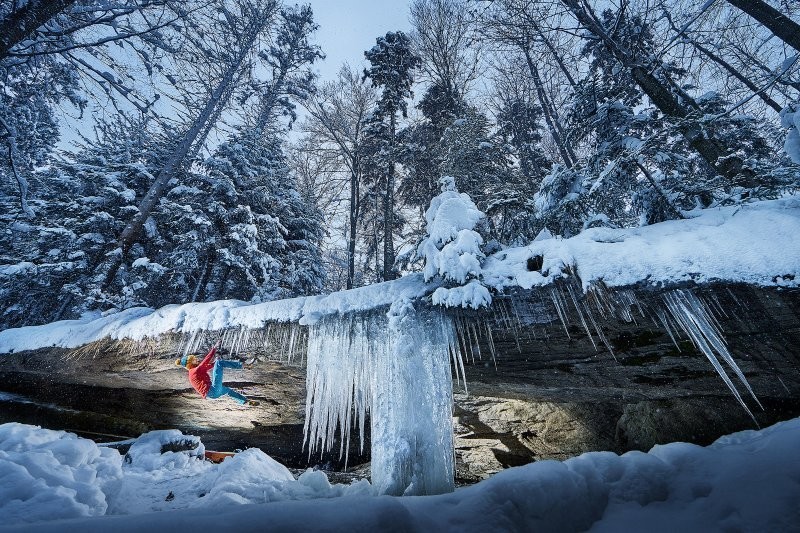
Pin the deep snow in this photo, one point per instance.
(747, 481)
(754, 243)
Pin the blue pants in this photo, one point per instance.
(217, 388)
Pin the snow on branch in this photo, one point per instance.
(452, 248)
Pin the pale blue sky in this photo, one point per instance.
(348, 27)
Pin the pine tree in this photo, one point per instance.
(479, 161)
(82, 202)
(421, 151)
(266, 237)
(391, 68)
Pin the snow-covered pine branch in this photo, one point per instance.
(452, 248)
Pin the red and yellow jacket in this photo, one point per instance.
(199, 376)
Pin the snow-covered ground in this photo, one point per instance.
(55, 481)
(754, 243)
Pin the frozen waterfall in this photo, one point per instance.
(396, 368)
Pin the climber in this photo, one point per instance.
(206, 377)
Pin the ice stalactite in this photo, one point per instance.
(339, 377)
(677, 312)
(397, 369)
(279, 341)
(691, 315)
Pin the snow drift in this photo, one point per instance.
(747, 481)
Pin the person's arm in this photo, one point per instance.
(208, 360)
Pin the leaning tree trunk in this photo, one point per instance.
(714, 152)
(779, 24)
(355, 205)
(23, 22)
(730, 69)
(157, 190)
(556, 131)
(744, 80)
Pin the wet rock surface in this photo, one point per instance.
(549, 393)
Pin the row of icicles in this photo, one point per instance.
(527, 315)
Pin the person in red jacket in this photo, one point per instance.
(206, 376)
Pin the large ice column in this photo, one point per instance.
(397, 368)
(412, 405)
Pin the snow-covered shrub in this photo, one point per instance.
(162, 449)
(452, 248)
(790, 118)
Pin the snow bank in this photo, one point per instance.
(50, 475)
(47, 475)
(754, 243)
(748, 481)
(146, 452)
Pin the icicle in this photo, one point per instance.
(693, 318)
(577, 305)
(718, 306)
(474, 340)
(462, 337)
(560, 310)
(491, 345)
(600, 333)
(664, 319)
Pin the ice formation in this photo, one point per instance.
(692, 316)
(395, 367)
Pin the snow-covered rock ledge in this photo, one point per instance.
(757, 244)
(142, 322)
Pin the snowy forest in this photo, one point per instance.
(166, 151)
(514, 265)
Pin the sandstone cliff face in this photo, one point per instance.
(550, 392)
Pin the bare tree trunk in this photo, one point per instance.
(22, 182)
(176, 158)
(222, 289)
(730, 69)
(355, 205)
(218, 98)
(660, 190)
(554, 53)
(23, 22)
(178, 155)
(388, 210)
(779, 24)
(738, 75)
(200, 289)
(378, 271)
(556, 131)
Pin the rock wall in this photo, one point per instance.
(550, 393)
